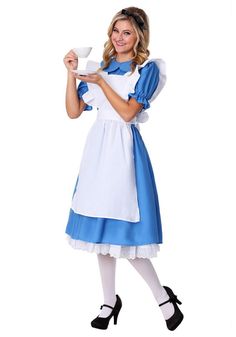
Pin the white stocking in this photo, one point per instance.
(146, 270)
(107, 266)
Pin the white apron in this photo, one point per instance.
(106, 184)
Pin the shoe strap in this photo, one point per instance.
(105, 305)
(173, 299)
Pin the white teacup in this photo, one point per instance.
(82, 51)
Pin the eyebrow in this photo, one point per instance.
(124, 30)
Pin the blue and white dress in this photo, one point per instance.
(115, 207)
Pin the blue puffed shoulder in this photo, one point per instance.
(82, 89)
(147, 84)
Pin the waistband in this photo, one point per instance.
(135, 123)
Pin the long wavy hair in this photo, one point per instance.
(140, 49)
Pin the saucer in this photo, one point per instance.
(83, 72)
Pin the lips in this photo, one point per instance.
(120, 44)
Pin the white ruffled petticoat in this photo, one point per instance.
(127, 252)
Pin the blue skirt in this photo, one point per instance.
(124, 233)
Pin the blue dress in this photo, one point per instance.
(117, 237)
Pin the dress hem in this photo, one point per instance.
(117, 251)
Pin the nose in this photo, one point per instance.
(120, 36)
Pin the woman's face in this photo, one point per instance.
(123, 38)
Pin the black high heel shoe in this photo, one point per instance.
(177, 317)
(102, 322)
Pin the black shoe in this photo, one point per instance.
(177, 317)
(102, 322)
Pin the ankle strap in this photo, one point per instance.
(105, 305)
(164, 303)
(173, 299)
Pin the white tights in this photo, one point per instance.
(144, 267)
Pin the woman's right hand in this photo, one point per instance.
(71, 60)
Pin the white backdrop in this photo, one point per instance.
(49, 289)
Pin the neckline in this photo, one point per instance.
(114, 65)
(128, 61)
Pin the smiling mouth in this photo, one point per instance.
(120, 44)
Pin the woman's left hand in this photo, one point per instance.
(91, 78)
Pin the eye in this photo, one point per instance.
(115, 30)
(127, 33)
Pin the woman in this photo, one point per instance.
(115, 210)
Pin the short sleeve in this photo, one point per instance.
(147, 84)
(82, 89)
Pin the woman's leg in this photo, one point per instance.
(107, 266)
(146, 270)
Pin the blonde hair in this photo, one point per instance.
(140, 23)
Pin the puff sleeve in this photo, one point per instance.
(82, 89)
(146, 85)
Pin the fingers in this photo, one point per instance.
(70, 60)
(71, 56)
(73, 53)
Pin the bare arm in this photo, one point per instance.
(126, 109)
(74, 105)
